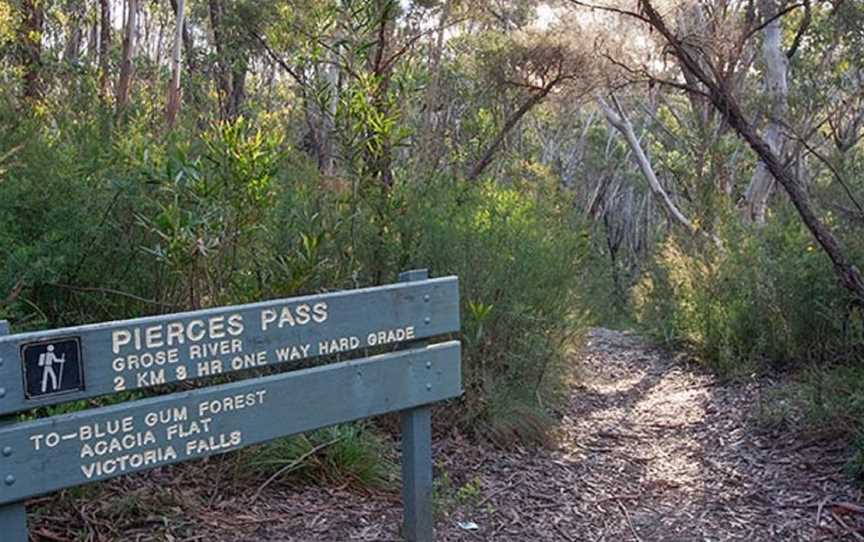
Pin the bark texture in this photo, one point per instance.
(231, 66)
(30, 48)
(127, 65)
(776, 67)
(104, 48)
(172, 106)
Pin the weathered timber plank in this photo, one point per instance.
(13, 516)
(139, 353)
(63, 451)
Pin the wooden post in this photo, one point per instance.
(13, 517)
(416, 425)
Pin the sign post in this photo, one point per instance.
(416, 423)
(13, 517)
(375, 357)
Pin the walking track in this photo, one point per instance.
(649, 449)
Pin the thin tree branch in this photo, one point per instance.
(610, 9)
(846, 271)
(766, 22)
(112, 291)
(834, 172)
(802, 28)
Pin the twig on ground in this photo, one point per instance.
(819, 511)
(629, 523)
(847, 529)
(563, 533)
(498, 491)
(848, 507)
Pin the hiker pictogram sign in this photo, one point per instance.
(52, 367)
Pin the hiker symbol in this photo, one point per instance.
(52, 367)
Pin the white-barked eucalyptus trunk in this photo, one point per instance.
(172, 106)
(776, 67)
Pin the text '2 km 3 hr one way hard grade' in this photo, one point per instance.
(210, 346)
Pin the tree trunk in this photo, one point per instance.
(326, 161)
(74, 35)
(188, 40)
(848, 274)
(511, 123)
(691, 20)
(172, 105)
(127, 65)
(30, 48)
(776, 67)
(379, 162)
(621, 123)
(238, 87)
(429, 142)
(104, 47)
(93, 43)
(223, 83)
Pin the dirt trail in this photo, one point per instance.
(673, 455)
(650, 450)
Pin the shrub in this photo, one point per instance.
(339, 454)
(769, 296)
(518, 260)
(92, 232)
(768, 300)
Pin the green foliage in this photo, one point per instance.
(826, 401)
(767, 296)
(517, 258)
(447, 497)
(204, 212)
(767, 300)
(58, 204)
(336, 455)
(92, 232)
(7, 23)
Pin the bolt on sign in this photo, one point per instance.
(51, 367)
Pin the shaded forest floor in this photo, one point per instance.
(650, 449)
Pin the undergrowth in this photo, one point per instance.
(766, 301)
(102, 221)
(348, 453)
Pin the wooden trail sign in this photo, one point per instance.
(100, 359)
(49, 367)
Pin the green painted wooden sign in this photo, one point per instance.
(50, 367)
(80, 362)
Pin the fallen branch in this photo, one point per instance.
(847, 529)
(847, 508)
(498, 491)
(629, 523)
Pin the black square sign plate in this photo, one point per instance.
(52, 367)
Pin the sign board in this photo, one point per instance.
(62, 451)
(134, 354)
(53, 453)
